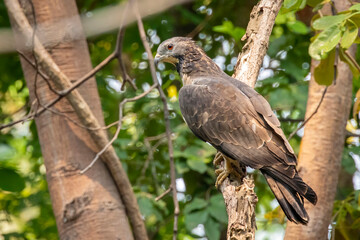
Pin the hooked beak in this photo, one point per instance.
(164, 58)
(157, 59)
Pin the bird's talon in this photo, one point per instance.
(218, 158)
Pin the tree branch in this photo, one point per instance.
(240, 198)
(308, 119)
(166, 116)
(121, 106)
(85, 115)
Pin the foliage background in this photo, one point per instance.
(25, 206)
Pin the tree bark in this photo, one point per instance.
(239, 195)
(86, 206)
(322, 146)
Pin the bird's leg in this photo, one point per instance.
(230, 167)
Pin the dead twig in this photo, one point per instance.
(151, 149)
(308, 119)
(166, 116)
(163, 194)
(121, 106)
(118, 50)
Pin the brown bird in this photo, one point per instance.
(238, 122)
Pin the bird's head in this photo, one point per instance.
(173, 50)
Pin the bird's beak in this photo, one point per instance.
(157, 59)
(164, 58)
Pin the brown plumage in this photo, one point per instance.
(238, 122)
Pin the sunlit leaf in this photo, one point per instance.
(298, 27)
(228, 27)
(172, 91)
(350, 34)
(327, 21)
(292, 5)
(325, 42)
(345, 58)
(324, 72)
(355, 7)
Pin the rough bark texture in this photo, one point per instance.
(85, 206)
(322, 146)
(239, 195)
(258, 31)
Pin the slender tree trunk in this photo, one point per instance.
(322, 146)
(239, 195)
(85, 206)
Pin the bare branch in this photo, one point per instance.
(166, 116)
(163, 194)
(118, 51)
(121, 106)
(151, 150)
(308, 119)
(290, 120)
(66, 91)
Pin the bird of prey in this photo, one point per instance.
(238, 122)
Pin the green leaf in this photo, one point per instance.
(197, 165)
(356, 19)
(181, 167)
(238, 33)
(10, 180)
(327, 21)
(298, 27)
(195, 218)
(355, 7)
(324, 72)
(313, 3)
(217, 208)
(349, 35)
(228, 27)
(325, 42)
(292, 5)
(212, 229)
(196, 204)
(346, 59)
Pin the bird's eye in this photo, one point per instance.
(170, 47)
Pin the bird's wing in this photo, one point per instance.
(221, 114)
(263, 108)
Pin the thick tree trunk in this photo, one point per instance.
(322, 146)
(85, 206)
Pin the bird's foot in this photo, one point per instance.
(231, 167)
